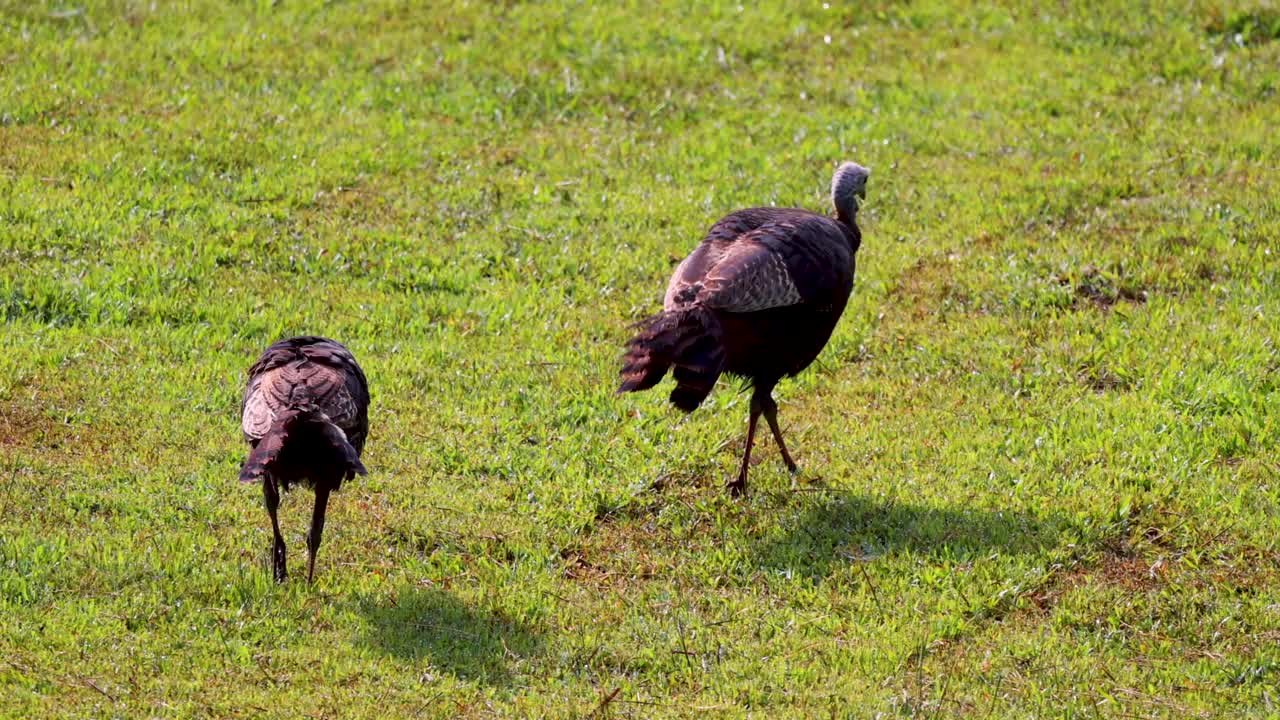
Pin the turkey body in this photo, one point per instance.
(758, 298)
(305, 416)
(812, 261)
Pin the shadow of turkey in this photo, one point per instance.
(835, 529)
(434, 626)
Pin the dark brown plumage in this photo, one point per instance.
(305, 415)
(758, 298)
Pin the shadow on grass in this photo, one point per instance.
(435, 626)
(838, 529)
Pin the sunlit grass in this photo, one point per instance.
(1039, 454)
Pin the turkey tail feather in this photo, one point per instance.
(262, 458)
(338, 441)
(689, 342)
(308, 431)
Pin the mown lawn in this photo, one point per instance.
(1039, 454)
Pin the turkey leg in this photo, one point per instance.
(770, 409)
(271, 494)
(317, 529)
(738, 487)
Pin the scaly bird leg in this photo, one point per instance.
(271, 494)
(770, 409)
(738, 487)
(317, 529)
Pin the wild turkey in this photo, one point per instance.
(305, 415)
(758, 298)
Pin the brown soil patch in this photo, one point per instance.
(928, 287)
(24, 427)
(1102, 379)
(1130, 573)
(1103, 291)
(355, 203)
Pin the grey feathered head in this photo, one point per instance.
(847, 186)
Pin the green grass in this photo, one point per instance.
(1039, 454)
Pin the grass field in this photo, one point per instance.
(1039, 456)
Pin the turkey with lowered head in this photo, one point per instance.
(758, 298)
(305, 415)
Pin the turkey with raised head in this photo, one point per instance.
(305, 416)
(758, 298)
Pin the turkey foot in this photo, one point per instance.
(738, 487)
